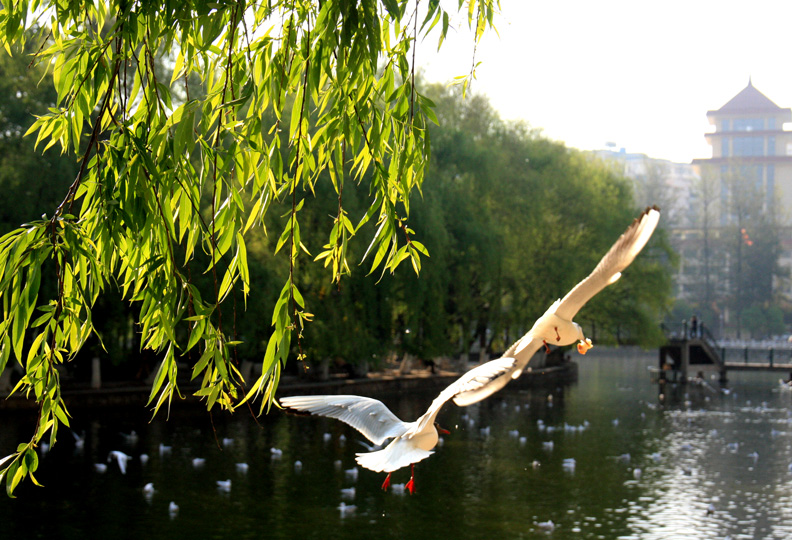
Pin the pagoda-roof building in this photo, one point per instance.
(750, 101)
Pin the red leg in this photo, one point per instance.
(558, 336)
(547, 347)
(386, 483)
(411, 484)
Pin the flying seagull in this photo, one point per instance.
(556, 325)
(412, 441)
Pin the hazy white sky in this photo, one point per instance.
(639, 73)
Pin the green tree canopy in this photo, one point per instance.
(513, 221)
(173, 184)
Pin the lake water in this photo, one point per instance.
(700, 465)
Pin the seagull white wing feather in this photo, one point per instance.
(478, 383)
(522, 351)
(608, 271)
(369, 416)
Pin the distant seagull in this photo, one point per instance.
(556, 325)
(348, 493)
(224, 486)
(130, 438)
(148, 491)
(101, 468)
(276, 453)
(398, 489)
(198, 462)
(412, 441)
(173, 509)
(228, 441)
(346, 509)
(144, 459)
(352, 473)
(121, 458)
(242, 468)
(163, 449)
(79, 441)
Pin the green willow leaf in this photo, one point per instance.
(188, 126)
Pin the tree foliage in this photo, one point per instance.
(173, 184)
(513, 221)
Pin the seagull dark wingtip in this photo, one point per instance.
(296, 412)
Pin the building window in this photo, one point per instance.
(725, 147)
(771, 123)
(724, 193)
(771, 148)
(748, 124)
(725, 125)
(748, 146)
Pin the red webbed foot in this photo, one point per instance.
(386, 483)
(410, 486)
(441, 430)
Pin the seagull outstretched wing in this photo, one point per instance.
(369, 416)
(478, 383)
(608, 271)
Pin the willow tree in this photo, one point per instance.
(289, 90)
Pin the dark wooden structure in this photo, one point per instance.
(687, 355)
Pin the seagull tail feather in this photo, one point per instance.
(392, 457)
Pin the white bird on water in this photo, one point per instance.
(556, 325)
(412, 441)
(121, 458)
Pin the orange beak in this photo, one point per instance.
(584, 345)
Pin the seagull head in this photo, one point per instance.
(584, 343)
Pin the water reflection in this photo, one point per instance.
(604, 458)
